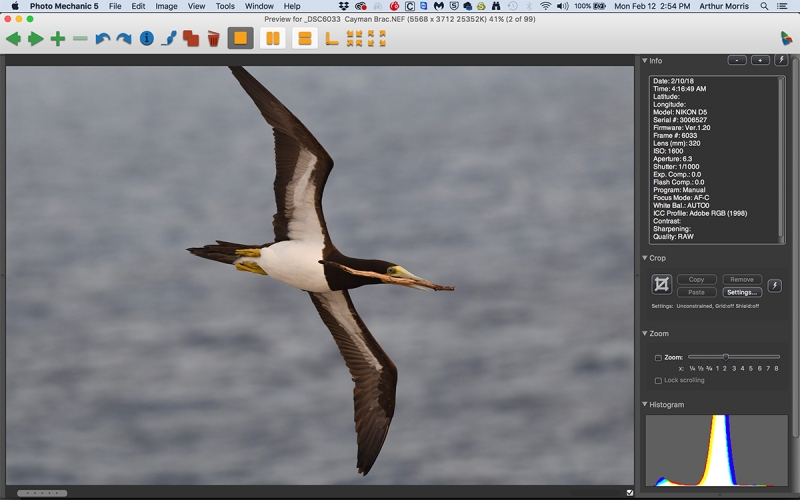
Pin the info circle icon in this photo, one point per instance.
(146, 38)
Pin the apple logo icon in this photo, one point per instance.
(15, 6)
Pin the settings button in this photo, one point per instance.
(742, 292)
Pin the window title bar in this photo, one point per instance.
(357, 7)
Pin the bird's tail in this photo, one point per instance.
(223, 251)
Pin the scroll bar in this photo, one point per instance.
(795, 243)
(782, 160)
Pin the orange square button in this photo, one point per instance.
(240, 38)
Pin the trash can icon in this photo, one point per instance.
(213, 38)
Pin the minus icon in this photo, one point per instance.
(79, 38)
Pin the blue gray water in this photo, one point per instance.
(131, 361)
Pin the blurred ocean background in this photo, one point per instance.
(130, 361)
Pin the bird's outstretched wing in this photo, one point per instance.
(373, 372)
(302, 166)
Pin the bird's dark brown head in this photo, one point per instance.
(377, 266)
(339, 279)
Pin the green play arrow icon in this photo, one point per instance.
(15, 38)
(34, 38)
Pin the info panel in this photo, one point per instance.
(717, 242)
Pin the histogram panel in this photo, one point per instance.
(716, 450)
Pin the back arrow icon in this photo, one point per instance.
(14, 38)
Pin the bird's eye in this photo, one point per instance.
(391, 270)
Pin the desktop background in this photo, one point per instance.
(130, 361)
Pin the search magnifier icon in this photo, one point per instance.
(764, 6)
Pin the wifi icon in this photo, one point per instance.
(545, 5)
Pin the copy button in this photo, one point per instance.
(697, 279)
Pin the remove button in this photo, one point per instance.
(697, 291)
(741, 279)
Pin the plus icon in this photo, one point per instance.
(58, 38)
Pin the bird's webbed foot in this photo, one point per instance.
(249, 252)
(250, 266)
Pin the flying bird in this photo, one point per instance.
(304, 257)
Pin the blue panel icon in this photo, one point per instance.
(146, 38)
(170, 38)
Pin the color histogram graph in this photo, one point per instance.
(717, 450)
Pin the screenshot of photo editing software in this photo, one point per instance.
(558, 255)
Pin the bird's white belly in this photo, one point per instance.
(295, 263)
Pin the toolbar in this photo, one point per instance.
(299, 33)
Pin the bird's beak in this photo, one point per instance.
(400, 272)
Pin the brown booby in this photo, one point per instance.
(298, 256)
